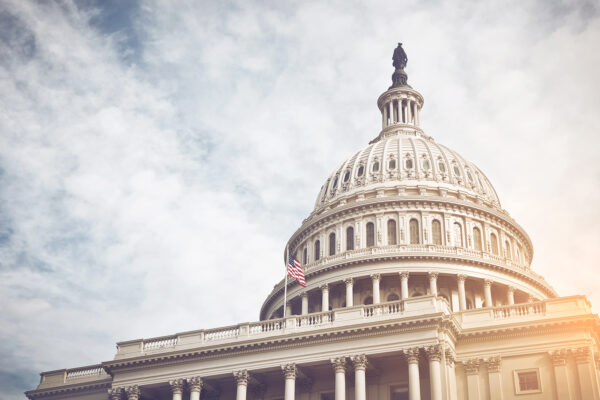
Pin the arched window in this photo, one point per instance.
(305, 256)
(393, 297)
(457, 235)
(508, 250)
(370, 234)
(350, 238)
(331, 243)
(477, 238)
(436, 231)
(408, 164)
(361, 171)
(391, 225)
(317, 249)
(375, 166)
(392, 164)
(494, 240)
(413, 226)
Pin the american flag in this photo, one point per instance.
(295, 270)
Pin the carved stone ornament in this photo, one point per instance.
(339, 364)
(412, 355)
(450, 357)
(404, 275)
(376, 277)
(433, 276)
(289, 370)
(194, 384)
(493, 364)
(115, 393)
(241, 377)
(461, 277)
(176, 385)
(471, 366)
(349, 281)
(559, 357)
(582, 355)
(324, 287)
(434, 353)
(359, 361)
(133, 392)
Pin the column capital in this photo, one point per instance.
(582, 355)
(530, 298)
(375, 277)
(241, 377)
(511, 289)
(450, 357)
(493, 364)
(433, 275)
(115, 393)
(559, 357)
(359, 361)
(290, 371)
(487, 282)
(349, 281)
(194, 383)
(404, 275)
(461, 277)
(176, 385)
(304, 294)
(412, 355)
(133, 392)
(339, 364)
(434, 353)
(324, 287)
(471, 366)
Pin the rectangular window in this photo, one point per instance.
(399, 392)
(327, 396)
(527, 381)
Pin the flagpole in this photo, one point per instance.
(285, 283)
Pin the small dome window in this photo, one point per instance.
(469, 176)
(426, 165)
(392, 164)
(361, 170)
(442, 167)
(347, 176)
(375, 167)
(335, 182)
(409, 164)
(456, 170)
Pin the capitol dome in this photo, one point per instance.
(407, 217)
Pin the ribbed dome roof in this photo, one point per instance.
(406, 158)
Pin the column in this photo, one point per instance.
(487, 291)
(588, 382)
(324, 297)
(450, 361)
(404, 285)
(408, 111)
(510, 295)
(241, 378)
(360, 379)
(495, 378)
(561, 375)
(472, 371)
(417, 118)
(391, 112)
(304, 297)
(133, 392)
(414, 385)
(195, 387)
(290, 371)
(433, 283)
(288, 309)
(434, 355)
(339, 366)
(383, 117)
(115, 393)
(376, 293)
(462, 298)
(349, 293)
(176, 388)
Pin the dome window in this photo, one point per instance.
(392, 164)
(469, 176)
(346, 176)
(375, 167)
(456, 170)
(442, 167)
(409, 164)
(361, 171)
(426, 165)
(335, 182)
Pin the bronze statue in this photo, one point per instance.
(399, 57)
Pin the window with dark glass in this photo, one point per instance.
(346, 176)
(305, 256)
(317, 250)
(477, 238)
(409, 164)
(442, 167)
(392, 164)
(391, 231)
(456, 170)
(426, 165)
(528, 381)
(399, 392)
(376, 166)
(413, 226)
(361, 171)
(436, 231)
(350, 238)
(331, 243)
(335, 182)
(370, 234)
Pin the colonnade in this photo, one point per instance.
(439, 378)
(400, 111)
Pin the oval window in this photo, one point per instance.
(376, 166)
(335, 182)
(392, 164)
(346, 176)
(456, 170)
(426, 165)
(361, 170)
(409, 164)
(442, 167)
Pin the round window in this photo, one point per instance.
(361, 170)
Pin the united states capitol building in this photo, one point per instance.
(418, 287)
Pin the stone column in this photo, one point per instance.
(133, 392)
(494, 378)
(195, 387)
(588, 380)
(349, 293)
(462, 298)
(288, 309)
(360, 379)
(433, 283)
(339, 366)
(376, 278)
(304, 297)
(472, 371)
(510, 295)
(561, 374)
(408, 112)
(414, 384)
(404, 285)
(115, 393)
(487, 290)
(450, 361)
(241, 378)
(434, 355)
(324, 297)
(290, 372)
(383, 117)
(176, 388)
(391, 112)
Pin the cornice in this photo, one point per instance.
(70, 390)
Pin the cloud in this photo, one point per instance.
(153, 165)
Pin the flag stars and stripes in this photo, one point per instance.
(295, 270)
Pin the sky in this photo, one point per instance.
(155, 156)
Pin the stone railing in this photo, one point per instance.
(74, 375)
(77, 373)
(160, 343)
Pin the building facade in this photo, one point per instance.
(418, 287)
